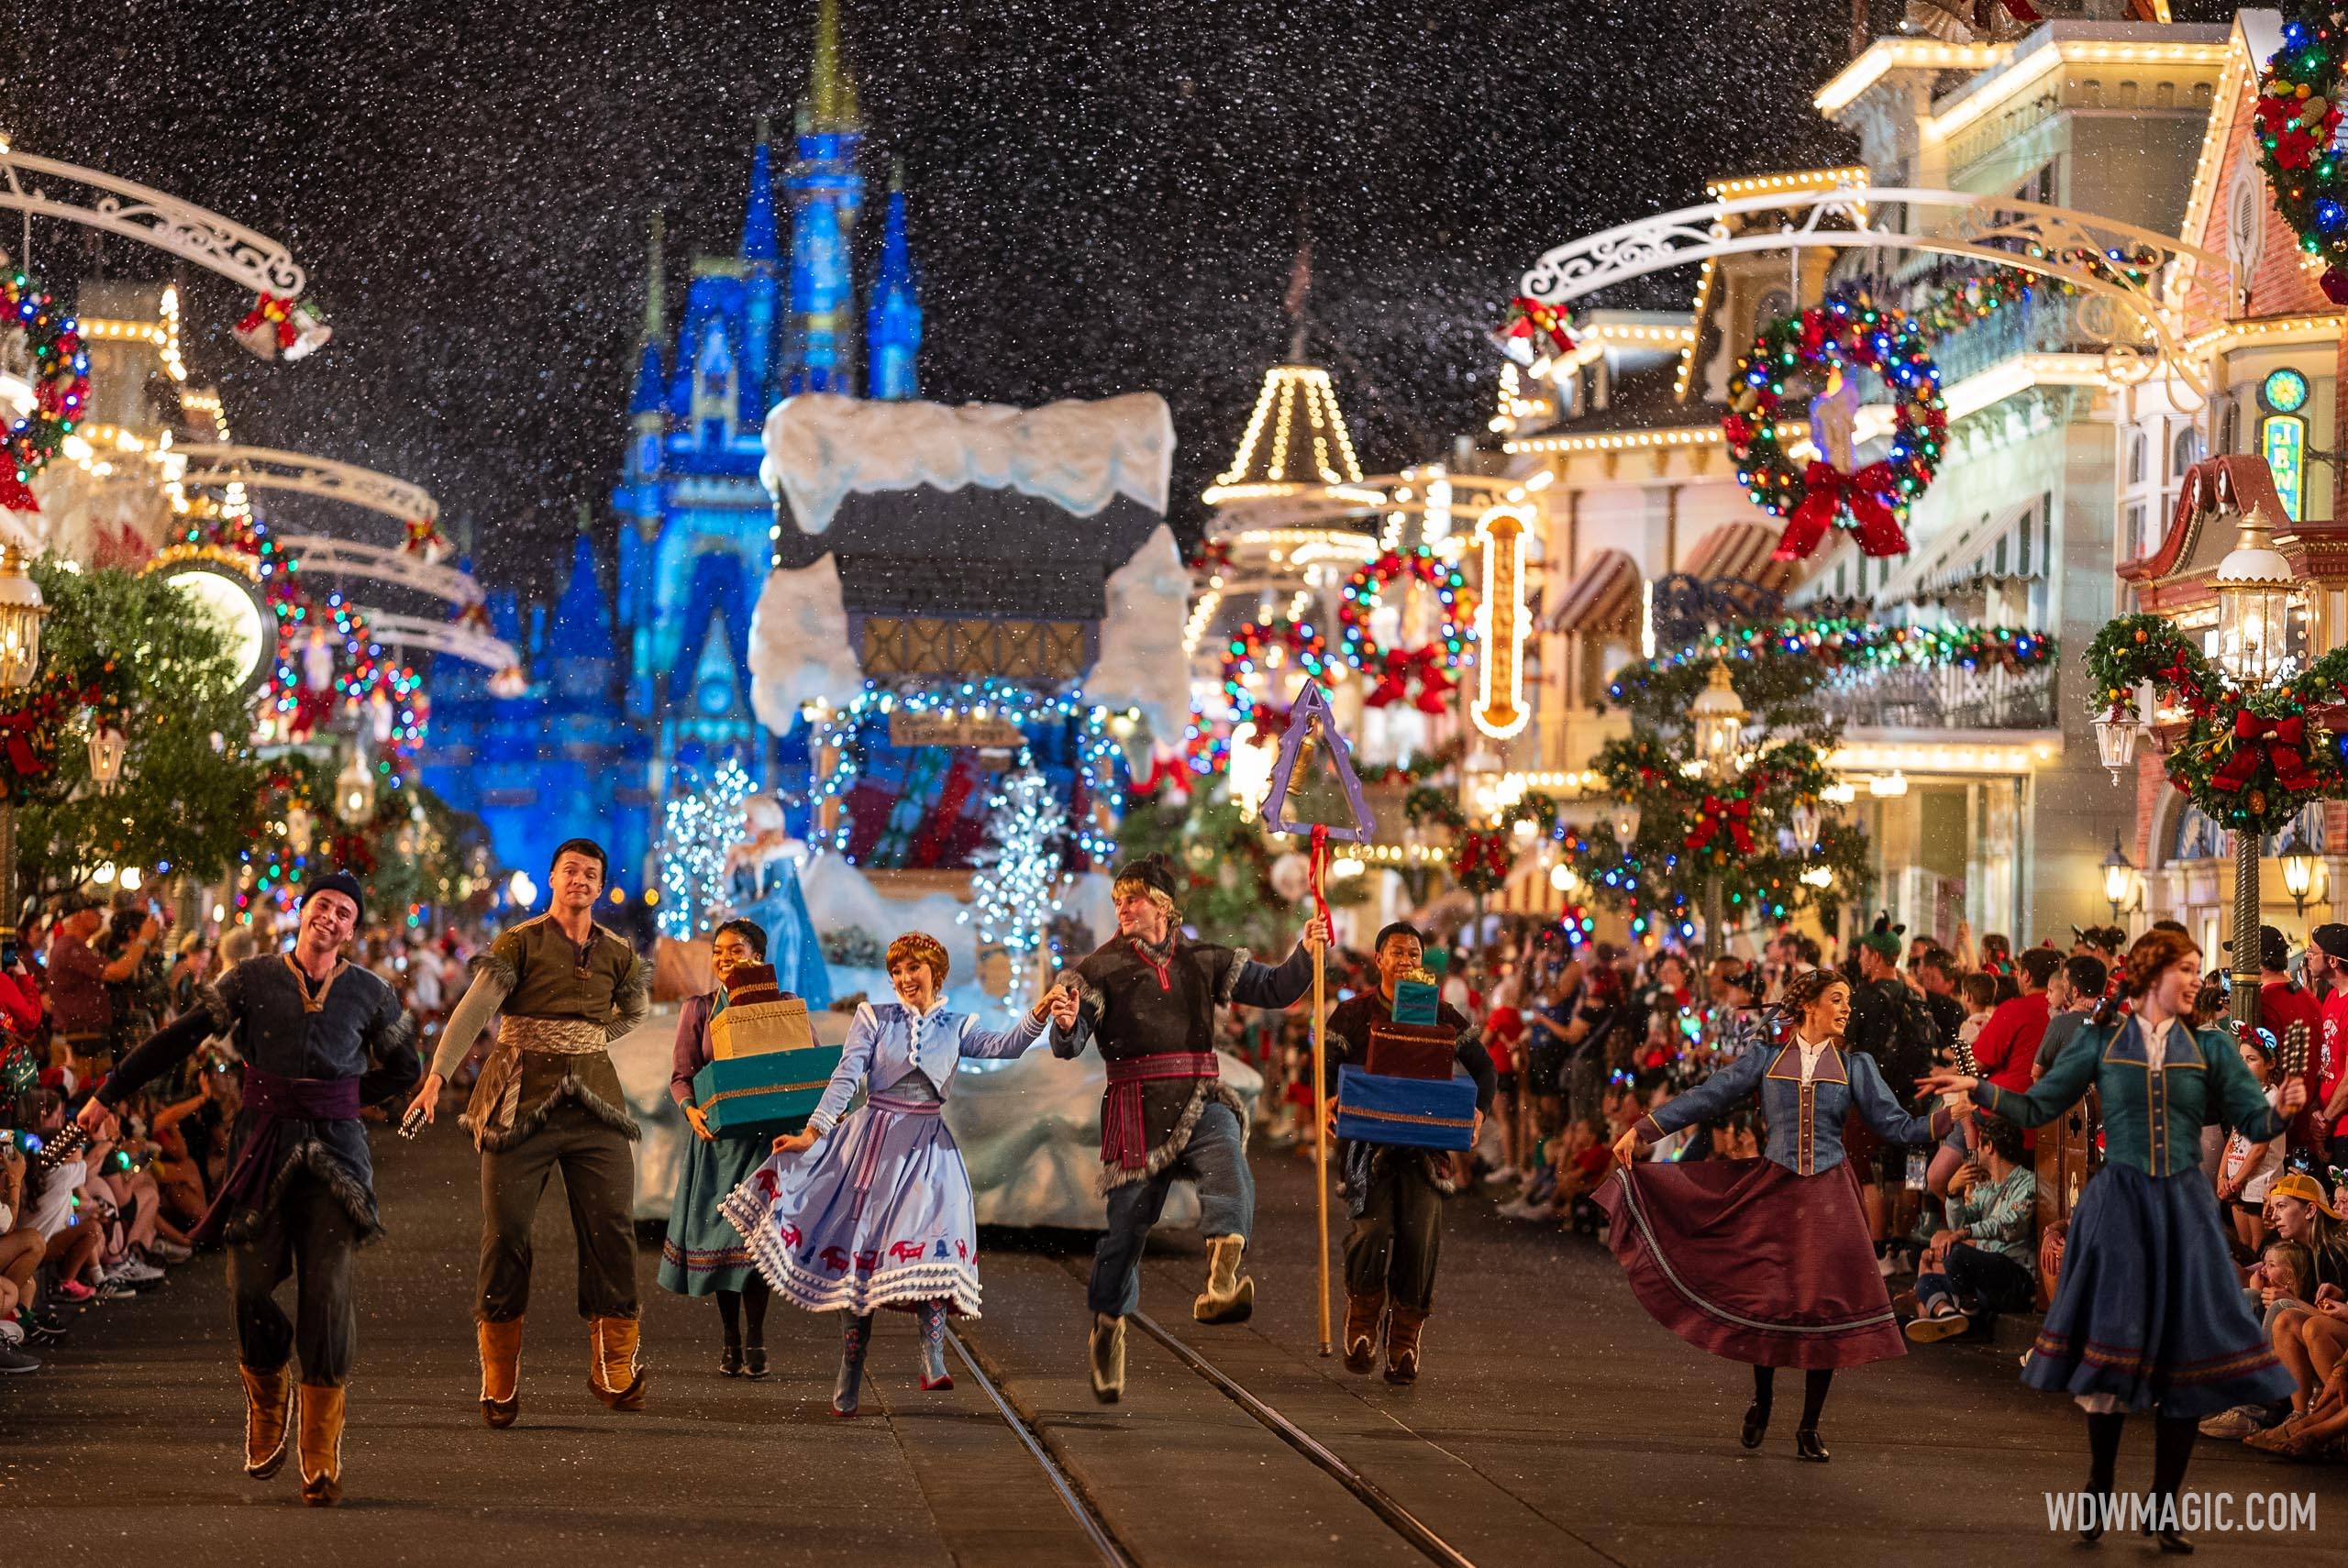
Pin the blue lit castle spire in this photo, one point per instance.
(652, 683)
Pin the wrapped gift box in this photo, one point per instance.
(1404, 1051)
(766, 1094)
(759, 1019)
(1415, 1001)
(1419, 1113)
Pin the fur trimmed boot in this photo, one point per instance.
(614, 1373)
(1108, 1357)
(934, 1374)
(501, 1370)
(1229, 1295)
(1364, 1316)
(1402, 1332)
(321, 1444)
(856, 1338)
(269, 1416)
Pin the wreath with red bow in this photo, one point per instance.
(61, 378)
(2249, 760)
(1722, 827)
(1851, 333)
(1359, 601)
(2296, 116)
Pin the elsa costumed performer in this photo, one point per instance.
(762, 882)
(875, 1211)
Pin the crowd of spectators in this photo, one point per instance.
(1586, 1038)
(84, 1228)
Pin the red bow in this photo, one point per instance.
(20, 728)
(1716, 816)
(15, 494)
(2279, 742)
(269, 308)
(1828, 490)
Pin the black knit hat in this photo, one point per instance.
(337, 881)
(1150, 871)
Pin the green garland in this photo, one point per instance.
(1481, 859)
(2248, 760)
(2298, 117)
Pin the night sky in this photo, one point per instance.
(1106, 196)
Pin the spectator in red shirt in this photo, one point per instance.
(2005, 1052)
(2328, 957)
(2282, 1002)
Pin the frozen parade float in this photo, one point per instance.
(972, 625)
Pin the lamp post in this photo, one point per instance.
(21, 613)
(2300, 872)
(2255, 590)
(2118, 876)
(1717, 718)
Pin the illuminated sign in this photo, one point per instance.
(1500, 623)
(2284, 391)
(2283, 438)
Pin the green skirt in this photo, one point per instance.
(704, 1253)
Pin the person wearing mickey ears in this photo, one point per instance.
(321, 1037)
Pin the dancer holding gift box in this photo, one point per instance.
(1394, 1190)
(880, 1215)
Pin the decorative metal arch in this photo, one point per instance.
(382, 563)
(439, 637)
(1861, 217)
(100, 201)
(265, 468)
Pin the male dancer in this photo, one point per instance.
(1149, 999)
(320, 1037)
(548, 1099)
(1394, 1194)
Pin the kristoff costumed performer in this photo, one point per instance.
(320, 1038)
(548, 1099)
(1147, 999)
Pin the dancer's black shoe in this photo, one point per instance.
(1756, 1424)
(1807, 1447)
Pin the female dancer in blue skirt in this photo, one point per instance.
(2147, 1311)
(879, 1215)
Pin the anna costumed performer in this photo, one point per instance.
(1768, 1261)
(2147, 1310)
(881, 1214)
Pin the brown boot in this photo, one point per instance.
(612, 1373)
(1402, 1331)
(321, 1444)
(269, 1416)
(1363, 1314)
(501, 1370)
(1229, 1297)
(1107, 1357)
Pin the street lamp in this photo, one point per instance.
(2255, 591)
(1717, 718)
(1805, 822)
(354, 791)
(1626, 827)
(106, 746)
(2300, 871)
(2119, 877)
(21, 613)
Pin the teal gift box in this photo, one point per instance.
(1418, 1113)
(765, 1095)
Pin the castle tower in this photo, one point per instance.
(819, 352)
(892, 322)
(761, 289)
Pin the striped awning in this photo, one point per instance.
(1603, 598)
(1741, 550)
(1995, 545)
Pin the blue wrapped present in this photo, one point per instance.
(770, 1093)
(1418, 1113)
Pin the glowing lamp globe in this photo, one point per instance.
(2115, 742)
(1626, 827)
(106, 746)
(21, 613)
(2256, 595)
(1805, 823)
(2119, 875)
(354, 792)
(1718, 718)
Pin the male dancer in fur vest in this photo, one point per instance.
(1147, 999)
(548, 1099)
(320, 1037)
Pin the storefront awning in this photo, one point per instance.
(1604, 597)
(2002, 545)
(1741, 550)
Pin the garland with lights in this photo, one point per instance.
(1017, 890)
(1973, 299)
(317, 670)
(1847, 332)
(1247, 650)
(2249, 760)
(697, 831)
(1481, 858)
(2296, 117)
(36, 723)
(60, 382)
(1788, 656)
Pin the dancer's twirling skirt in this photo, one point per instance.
(2147, 1309)
(878, 1214)
(1747, 1260)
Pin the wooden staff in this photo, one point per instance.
(1321, 1098)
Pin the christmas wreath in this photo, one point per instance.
(34, 726)
(1533, 331)
(1846, 334)
(1359, 601)
(2296, 116)
(61, 382)
(2248, 760)
(1247, 652)
(1481, 859)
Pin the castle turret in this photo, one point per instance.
(819, 349)
(892, 324)
(762, 290)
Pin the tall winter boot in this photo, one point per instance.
(1364, 1316)
(1402, 1331)
(321, 1444)
(1108, 1358)
(501, 1370)
(1229, 1295)
(613, 1372)
(934, 1376)
(856, 1338)
(269, 1416)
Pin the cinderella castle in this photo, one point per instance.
(639, 688)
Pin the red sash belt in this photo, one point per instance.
(272, 1102)
(1123, 1141)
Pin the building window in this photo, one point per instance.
(2139, 450)
(2184, 449)
(2132, 530)
(2229, 427)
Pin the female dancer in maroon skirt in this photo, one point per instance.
(1767, 1261)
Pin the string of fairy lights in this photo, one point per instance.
(1018, 887)
(696, 831)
